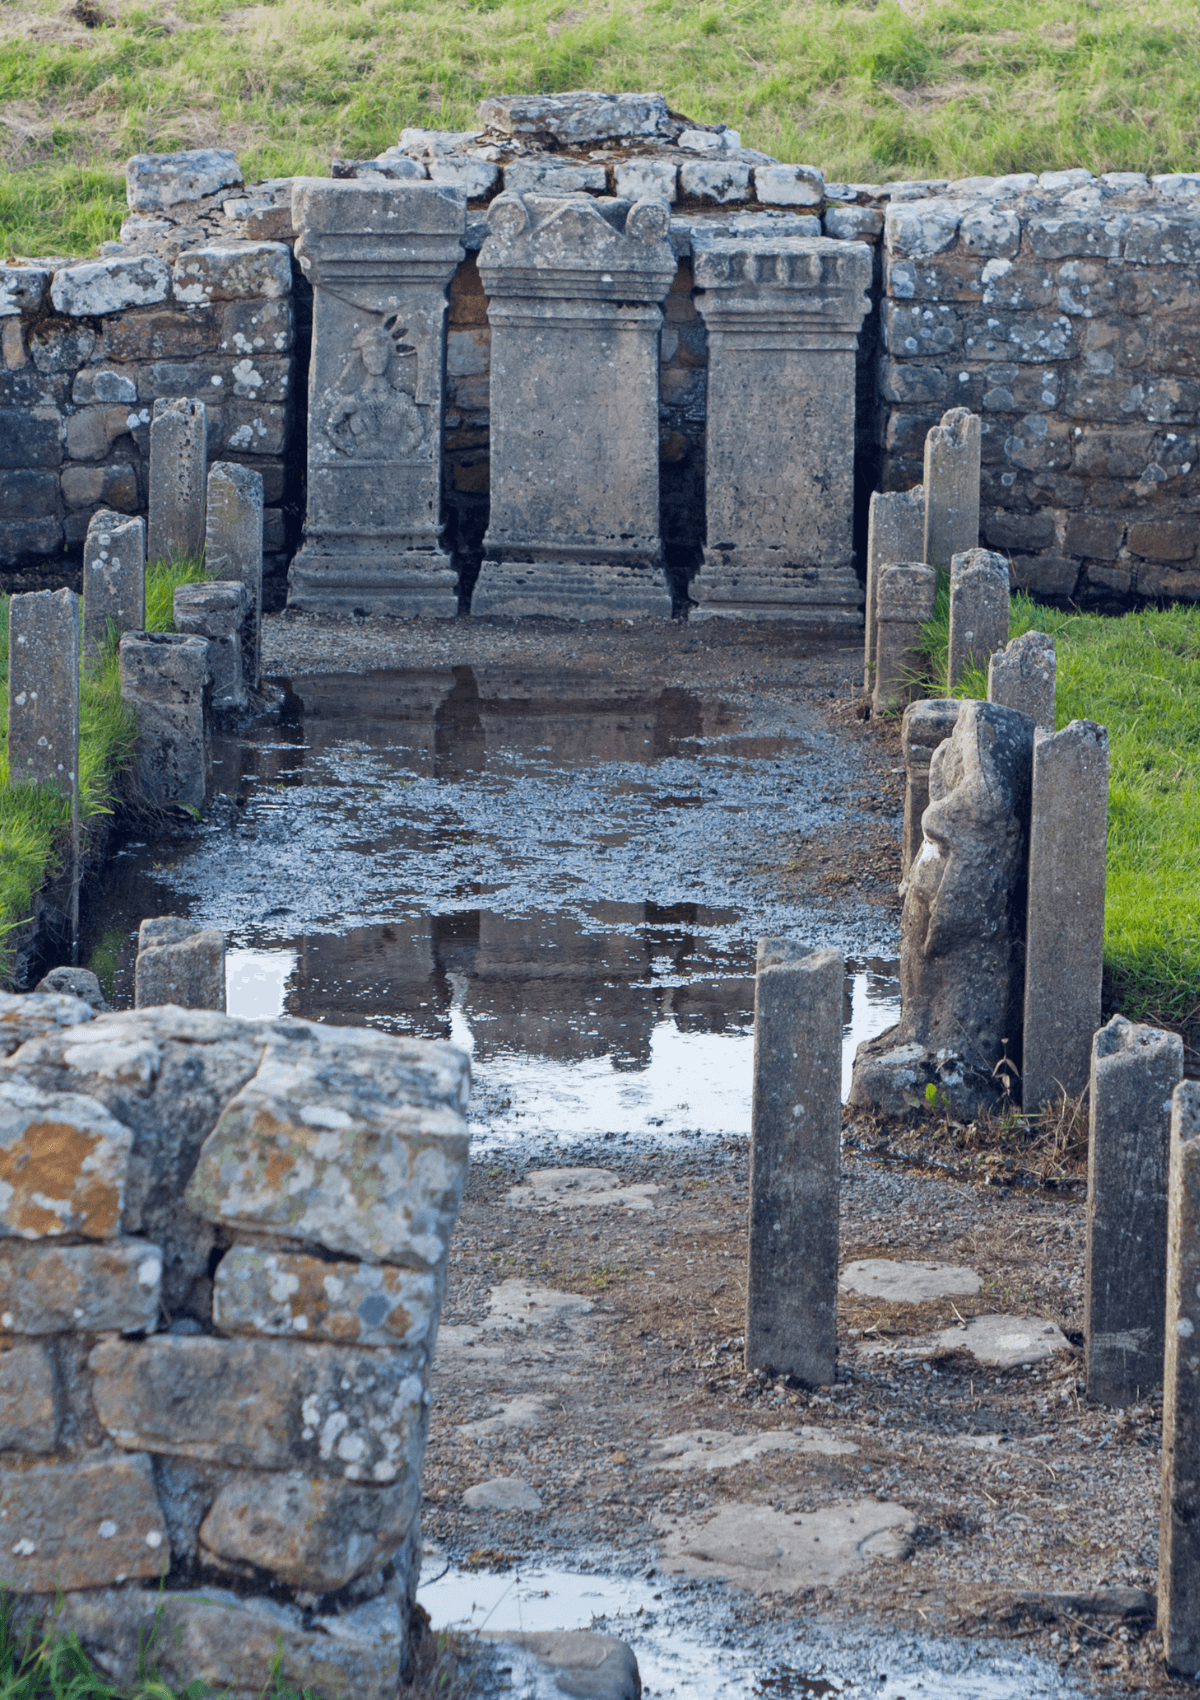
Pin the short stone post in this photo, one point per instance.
(218, 613)
(180, 963)
(978, 610)
(43, 690)
(905, 595)
(164, 678)
(895, 532)
(1064, 928)
(114, 579)
(795, 1162)
(1179, 1523)
(1134, 1071)
(1023, 676)
(926, 724)
(178, 467)
(951, 488)
(233, 548)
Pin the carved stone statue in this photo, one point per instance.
(378, 420)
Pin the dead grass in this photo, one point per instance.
(1005, 1148)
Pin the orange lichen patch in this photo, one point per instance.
(55, 1183)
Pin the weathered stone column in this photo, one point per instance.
(951, 488)
(1179, 1522)
(379, 257)
(926, 724)
(1023, 675)
(895, 532)
(795, 1162)
(1064, 933)
(574, 285)
(43, 690)
(180, 963)
(165, 680)
(218, 613)
(1134, 1071)
(233, 548)
(905, 595)
(178, 470)
(978, 610)
(783, 315)
(114, 579)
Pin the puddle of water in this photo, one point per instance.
(256, 983)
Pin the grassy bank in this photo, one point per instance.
(1140, 677)
(902, 88)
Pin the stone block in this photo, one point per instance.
(719, 180)
(1163, 238)
(360, 1304)
(76, 983)
(56, 347)
(924, 329)
(28, 1419)
(263, 1404)
(23, 288)
(92, 432)
(647, 178)
(114, 579)
(895, 532)
(580, 116)
(219, 613)
(1162, 540)
(236, 272)
(179, 963)
(164, 678)
(309, 1531)
(233, 548)
(1179, 1523)
(109, 286)
(853, 224)
(43, 691)
(473, 178)
(990, 231)
(553, 177)
(1023, 676)
(420, 143)
(979, 608)
(791, 1307)
(245, 427)
(26, 494)
(789, 185)
(905, 598)
(178, 469)
(81, 1525)
(113, 486)
(257, 327)
(86, 1289)
(274, 531)
(26, 1017)
(19, 538)
(162, 335)
(952, 453)
(1076, 235)
(1134, 1070)
(926, 724)
(916, 230)
(63, 1163)
(156, 181)
(561, 1663)
(26, 441)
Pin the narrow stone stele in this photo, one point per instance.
(905, 597)
(791, 1306)
(1023, 675)
(43, 690)
(926, 724)
(895, 532)
(379, 256)
(951, 488)
(1064, 936)
(1179, 1524)
(962, 928)
(180, 963)
(978, 610)
(114, 579)
(165, 680)
(178, 469)
(783, 317)
(233, 548)
(218, 614)
(574, 286)
(1134, 1071)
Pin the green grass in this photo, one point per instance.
(1139, 676)
(900, 88)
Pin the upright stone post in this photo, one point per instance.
(219, 614)
(114, 579)
(233, 548)
(1134, 1071)
(178, 470)
(895, 532)
(574, 285)
(1064, 930)
(1023, 676)
(43, 690)
(783, 316)
(1179, 1521)
(951, 488)
(978, 610)
(926, 724)
(165, 680)
(905, 596)
(795, 1162)
(379, 256)
(180, 963)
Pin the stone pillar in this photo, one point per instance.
(926, 724)
(180, 963)
(895, 532)
(178, 469)
(379, 256)
(1064, 933)
(574, 285)
(164, 679)
(905, 595)
(1134, 1071)
(978, 610)
(962, 928)
(219, 613)
(43, 691)
(1179, 1523)
(1023, 676)
(795, 1162)
(233, 548)
(951, 488)
(783, 315)
(114, 579)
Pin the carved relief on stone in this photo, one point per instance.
(372, 413)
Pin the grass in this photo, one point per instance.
(1139, 675)
(898, 88)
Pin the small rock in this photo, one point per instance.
(75, 983)
(907, 1283)
(572, 1663)
(771, 1552)
(714, 1449)
(585, 1187)
(502, 1493)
